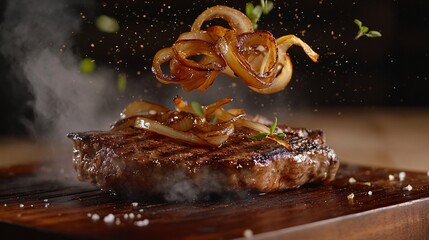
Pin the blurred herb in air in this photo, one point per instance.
(364, 31)
(107, 24)
(87, 65)
(121, 83)
(104, 24)
(254, 13)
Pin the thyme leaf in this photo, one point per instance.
(197, 108)
(259, 136)
(262, 135)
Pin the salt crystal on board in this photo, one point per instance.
(402, 176)
(109, 219)
(352, 180)
(248, 233)
(408, 188)
(142, 223)
(95, 217)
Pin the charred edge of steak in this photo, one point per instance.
(144, 163)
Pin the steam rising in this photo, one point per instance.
(36, 39)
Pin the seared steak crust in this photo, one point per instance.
(138, 162)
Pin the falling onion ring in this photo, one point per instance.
(256, 57)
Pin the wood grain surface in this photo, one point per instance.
(51, 204)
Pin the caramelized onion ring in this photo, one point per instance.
(251, 44)
(163, 56)
(201, 35)
(227, 46)
(183, 49)
(255, 56)
(287, 41)
(282, 79)
(189, 78)
(239, 22)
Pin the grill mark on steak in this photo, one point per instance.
(144, 163)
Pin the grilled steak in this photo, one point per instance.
(142, 163)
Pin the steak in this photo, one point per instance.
(138, 163)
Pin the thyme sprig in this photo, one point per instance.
(254, 13)
(262, 135)
(364, 31)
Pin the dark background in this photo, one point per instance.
(391, 71)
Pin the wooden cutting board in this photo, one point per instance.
(52, 204)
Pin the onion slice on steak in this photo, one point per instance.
(212, 127)
(155, 126)
(142, 107)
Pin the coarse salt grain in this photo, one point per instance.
(131, 215)
(45, 200)
(142, 223)
(21, 205)
(248, 233)
(135, 204)
(95, 217)
(5, 204)
(126, 216)
(351, 196)
(118, 221)
(408, 188)
(402, 176)
(427, 173)
(367, 183)
(141, 210)
(352, 180)
(370, 193)
(109, 218)
(89, 215)
(391, 177)
(47, 205)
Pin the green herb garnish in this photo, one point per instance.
(254, 13)
(87, 65)
(107, 24)
(262, 135)
(197, 108)
(121, 82)
(364, 31)
(259, 136)
(213, 120)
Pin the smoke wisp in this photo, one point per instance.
(36, 39)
